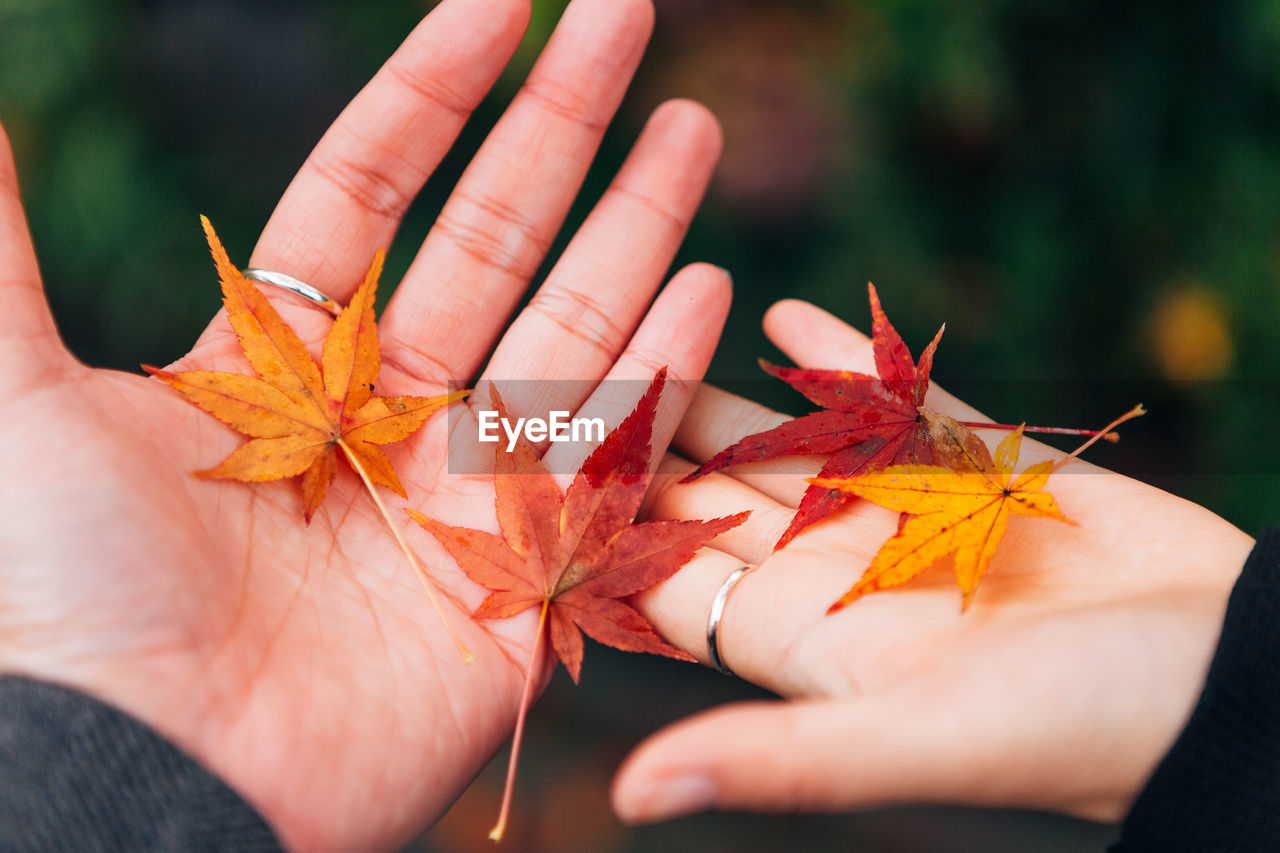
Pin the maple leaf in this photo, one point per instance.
(961, 510)
(298, 413)
(867, 422)
(575, 554)
(960, 507)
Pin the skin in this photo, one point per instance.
(305, 666)
(1077, 665)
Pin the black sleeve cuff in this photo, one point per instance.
(76, 774)
(1218, 789)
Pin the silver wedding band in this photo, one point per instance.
(717, 612)
(288, 282)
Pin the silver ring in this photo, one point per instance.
(290, 283)
(717, 612)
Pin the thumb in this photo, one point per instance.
(782, 756)
(29, 342)
(827, 755)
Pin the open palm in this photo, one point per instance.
(304, 664)
(1061, 688)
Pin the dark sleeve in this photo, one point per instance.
(76, 774)
(1218, 789)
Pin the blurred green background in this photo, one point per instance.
(1087, 193)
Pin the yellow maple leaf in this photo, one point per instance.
(952, 512)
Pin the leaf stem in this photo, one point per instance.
(1105, 434)
(1129, 415)
(427, 585)
(526, 697)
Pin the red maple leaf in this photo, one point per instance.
(576, 555)
(866, 423)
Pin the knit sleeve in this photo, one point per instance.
(77, 774)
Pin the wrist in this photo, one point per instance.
(166, 691)
(1218, 785)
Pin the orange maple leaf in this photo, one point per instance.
(575, 555)
(961, 512)
(297, 413)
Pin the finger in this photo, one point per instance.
(679, 333)
(774, 630)
(584, 314)
(29, 344)
(717, 419)
(808, 756)
(713, 496)
(934, 733)
(347, 200)
(509, 204)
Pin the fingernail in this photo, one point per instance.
(675, 797)
(728, 274)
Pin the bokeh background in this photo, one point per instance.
(1088, 193)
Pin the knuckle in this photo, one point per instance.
(580, 316)
(670, 219)
(366, 183)
(650, 361)
(562, 102)
(493, 233)
(431, 90)
(413, 362)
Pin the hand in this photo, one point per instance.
(305, 666)
(1061, 688)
